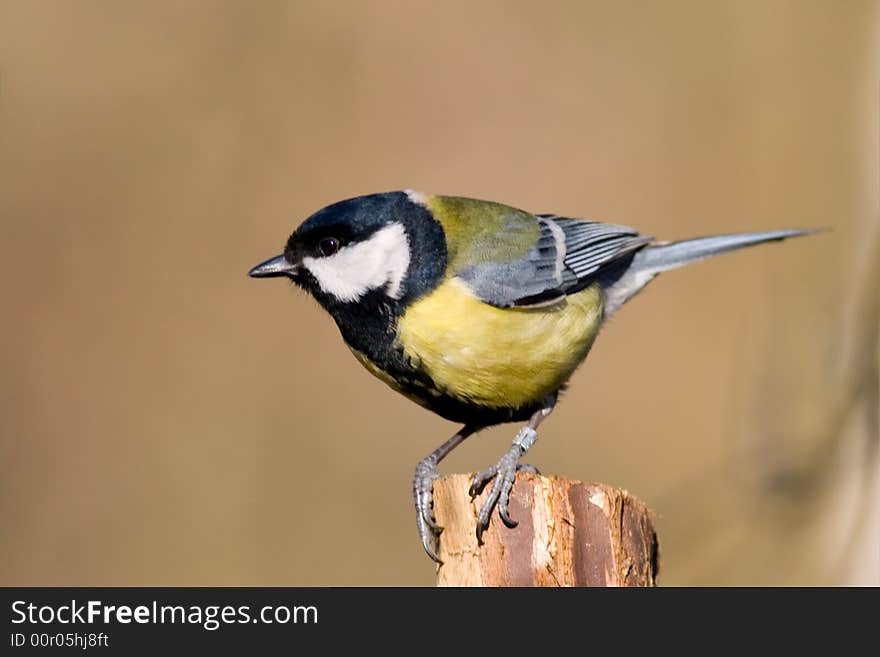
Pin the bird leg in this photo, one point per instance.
(504, 472)
(423, 484)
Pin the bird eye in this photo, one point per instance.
(327, 246)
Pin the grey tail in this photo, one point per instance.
(656, 258)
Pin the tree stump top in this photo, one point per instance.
(569, 534)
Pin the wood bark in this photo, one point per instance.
(569, 534)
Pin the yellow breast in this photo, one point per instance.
(498, 357)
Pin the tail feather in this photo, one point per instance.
(660, 257)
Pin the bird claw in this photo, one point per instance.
(423, 485)
(504, 475)
(478, 483)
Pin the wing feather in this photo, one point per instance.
(566, 257)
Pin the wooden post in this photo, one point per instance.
(569, 534)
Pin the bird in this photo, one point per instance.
(475, 310)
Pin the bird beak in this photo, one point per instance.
(273, 268)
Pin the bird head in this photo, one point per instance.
(383, 247)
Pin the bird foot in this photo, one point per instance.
(423, 485)
(504, 474)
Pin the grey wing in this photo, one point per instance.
(591, 246)
(567, 257)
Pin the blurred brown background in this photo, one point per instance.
(166, 420)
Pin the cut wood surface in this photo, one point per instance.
(570, 533)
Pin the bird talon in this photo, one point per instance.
(504, 512)
(430, 520)
(504, 474)
(431, 545)
(423, 495)
(478, 483)
(482, 523)
(430, 540)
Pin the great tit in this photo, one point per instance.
(475, 310)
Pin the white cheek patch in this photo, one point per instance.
(380, 261)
